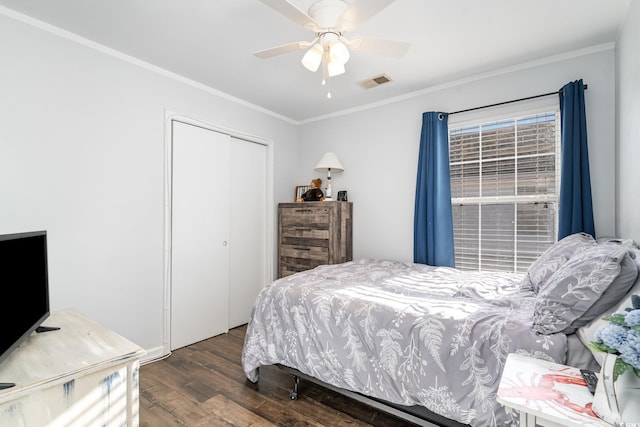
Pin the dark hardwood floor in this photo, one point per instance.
(204, 385)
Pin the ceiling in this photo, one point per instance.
(212, 42)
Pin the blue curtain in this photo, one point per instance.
(575, 205)
(433, 223)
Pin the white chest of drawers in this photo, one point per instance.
(81, 375)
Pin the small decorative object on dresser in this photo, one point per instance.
(312, 234)
(300, 190)
(314, 193)
(310, 193)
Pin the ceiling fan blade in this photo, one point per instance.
(390, 48)
(359, 12)
(291, 11)
(279, 50)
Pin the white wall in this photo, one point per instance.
(379, 147)
(82, 156)
(628, 125)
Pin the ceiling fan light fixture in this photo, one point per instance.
(312, 59)
(335, 68)
(338, 52)
(329, 20)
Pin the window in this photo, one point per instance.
(504, 191)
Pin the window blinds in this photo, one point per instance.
(504, 188)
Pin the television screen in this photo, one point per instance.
(23, 274)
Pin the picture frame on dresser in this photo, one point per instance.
(300, 190)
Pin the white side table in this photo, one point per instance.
(81, 375)
(546, 394)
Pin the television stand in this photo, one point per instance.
(83, 375)
(39, 330)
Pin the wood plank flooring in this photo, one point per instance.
(204, 385)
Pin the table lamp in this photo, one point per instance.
(329, 162)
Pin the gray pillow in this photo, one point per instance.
(553, 258)
(583, 288)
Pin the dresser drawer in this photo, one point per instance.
(307, 216)
(304, 241)
(318, 253)
(290, 265)
(289, 269)
(304, 232)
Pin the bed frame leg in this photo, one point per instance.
(294, 393)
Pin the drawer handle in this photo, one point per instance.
(302, 249)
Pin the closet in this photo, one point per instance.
(218, 231)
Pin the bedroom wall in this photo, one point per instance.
(82, 156)
(628, 125)
(378, 147)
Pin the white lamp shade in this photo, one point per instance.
(338, 52)
(312, 59)
(329, 162)
(335, 68)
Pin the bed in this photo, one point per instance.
(432, 341)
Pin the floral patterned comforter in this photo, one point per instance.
(411, 334)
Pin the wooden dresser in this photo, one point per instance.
(313, 233)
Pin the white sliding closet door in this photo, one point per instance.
(200, 234)
(247, 227)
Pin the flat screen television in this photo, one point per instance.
(23, 273)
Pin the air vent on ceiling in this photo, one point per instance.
(375, 81)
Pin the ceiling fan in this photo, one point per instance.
(330, 20)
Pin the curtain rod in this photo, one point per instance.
(509, 102)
